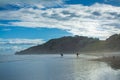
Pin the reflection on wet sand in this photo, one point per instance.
(113, 61)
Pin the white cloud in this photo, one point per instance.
(98, 20)
(28, 1)
(32, 3)
(21, 41)
(11, 49)
(10, 46)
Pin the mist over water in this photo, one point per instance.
(54, 67)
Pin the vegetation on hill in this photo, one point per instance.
(113, 42)
(69, 44)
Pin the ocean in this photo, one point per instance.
(55, 67)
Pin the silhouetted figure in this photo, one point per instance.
(77, 54)
(61, 55)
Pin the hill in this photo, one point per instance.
(75, 44)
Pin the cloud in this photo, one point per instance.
(27, 1)
(11, 49)
(98, 20)
(17, 4)
(21, 41)
(10, 46)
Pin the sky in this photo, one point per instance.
(25, 23)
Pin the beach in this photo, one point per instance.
(113, 61)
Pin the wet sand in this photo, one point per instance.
(113, 61)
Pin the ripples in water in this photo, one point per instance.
(54, 67)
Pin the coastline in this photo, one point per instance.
(113, 61)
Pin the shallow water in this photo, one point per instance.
(54, 67)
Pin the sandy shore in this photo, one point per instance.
(113, 61)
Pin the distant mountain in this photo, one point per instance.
(75, 44)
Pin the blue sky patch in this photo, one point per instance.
(32, 33)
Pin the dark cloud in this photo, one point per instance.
(115, 25)
(96, 13)
(67, 15)
(71, 14)
(115, 15)
(53, 16)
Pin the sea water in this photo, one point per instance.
(54, 67)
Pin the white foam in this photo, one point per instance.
(106, 73)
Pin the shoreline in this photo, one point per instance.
(113, 61)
